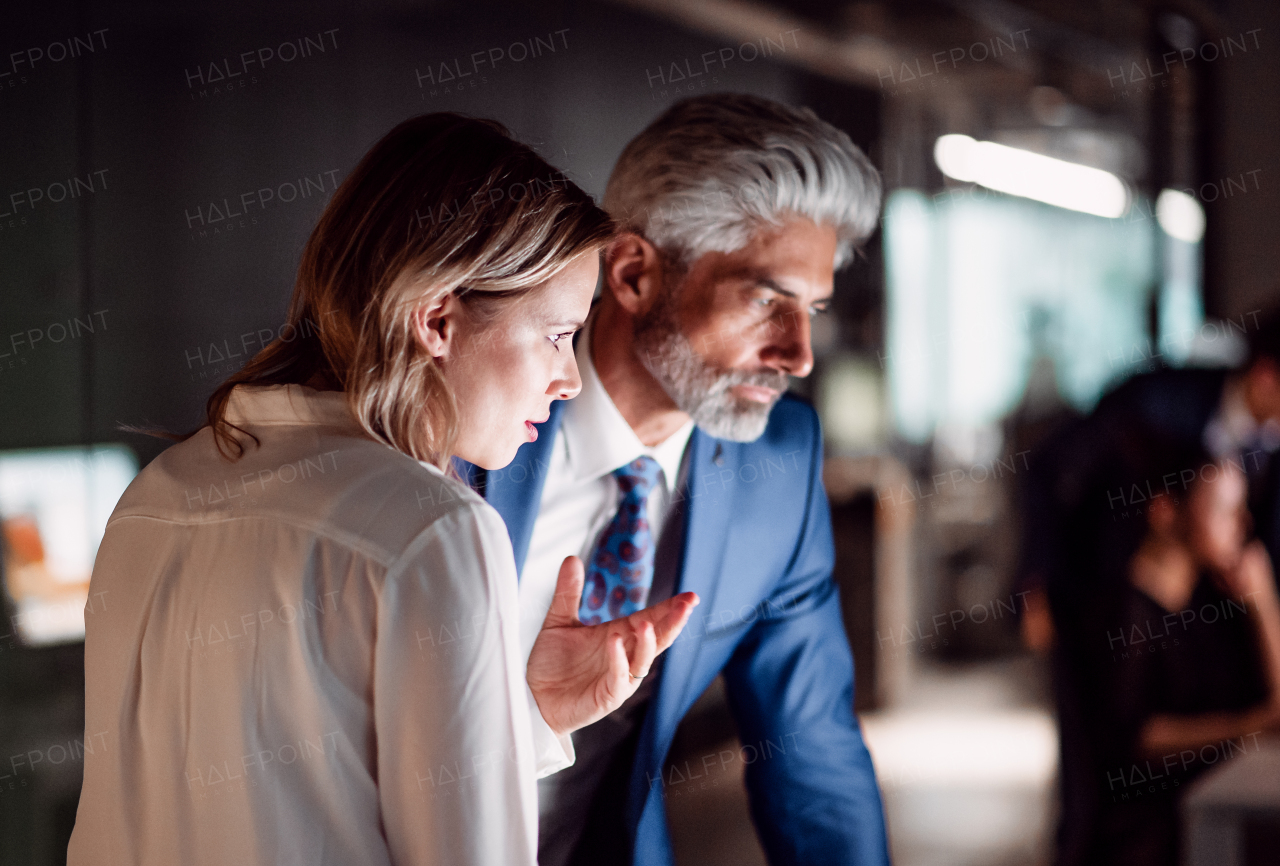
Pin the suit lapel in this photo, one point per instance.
(706, 540)
(705, 543)
(516, 490)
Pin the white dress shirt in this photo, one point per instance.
(309, 655)
(581, 495)
(1233, 432)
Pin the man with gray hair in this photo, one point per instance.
(683, 464)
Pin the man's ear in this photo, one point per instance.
(435, 325)
(633, 273)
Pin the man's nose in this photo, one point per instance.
(791, 351)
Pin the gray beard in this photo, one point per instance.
(700, 389)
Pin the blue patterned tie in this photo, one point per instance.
(621, 570)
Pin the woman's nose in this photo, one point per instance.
(569, 385)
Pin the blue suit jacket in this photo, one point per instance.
(758, 551)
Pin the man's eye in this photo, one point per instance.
(764, 302)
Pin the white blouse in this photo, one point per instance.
(310, 655)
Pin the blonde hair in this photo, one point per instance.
(443, 203)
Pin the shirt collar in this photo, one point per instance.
(288, 404)
(1234, 429)
(1232, 424)
(599, 440)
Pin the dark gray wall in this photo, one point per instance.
(130, 256)
(1242, 265)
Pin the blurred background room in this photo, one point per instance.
(1076, 192)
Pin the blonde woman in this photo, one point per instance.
(310, 652)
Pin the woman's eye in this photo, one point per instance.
(556, 338)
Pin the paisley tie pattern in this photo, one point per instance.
(621, 570)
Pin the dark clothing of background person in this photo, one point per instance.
(1143, 661)
(1083, 519)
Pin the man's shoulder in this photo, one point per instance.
(792, 438)
(792, 423)
(794, 405)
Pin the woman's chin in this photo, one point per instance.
(492, 459)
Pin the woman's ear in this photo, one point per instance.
(1262, 388)
(435, 325)
(1162, 514)
(633, 272)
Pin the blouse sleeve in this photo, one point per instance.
(456, 764)
(552, 753)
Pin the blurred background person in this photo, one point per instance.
(1087, 482)
(1183, 669)
(1076, 489)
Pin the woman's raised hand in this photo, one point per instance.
(1251, 578)
(581, 673)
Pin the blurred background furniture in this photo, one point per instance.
(1232, 814)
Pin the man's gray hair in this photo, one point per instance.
(713, 170)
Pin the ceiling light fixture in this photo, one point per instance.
(1032, 175)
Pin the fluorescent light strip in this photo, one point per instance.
(1032, 175)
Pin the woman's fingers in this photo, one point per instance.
(676, 619)
(667, 617)
(619, 664)
(568, 597)
(646, 650)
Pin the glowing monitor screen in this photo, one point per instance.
(54, 506)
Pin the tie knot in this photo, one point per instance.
(638, 477)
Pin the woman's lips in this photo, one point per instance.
(533, 431)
